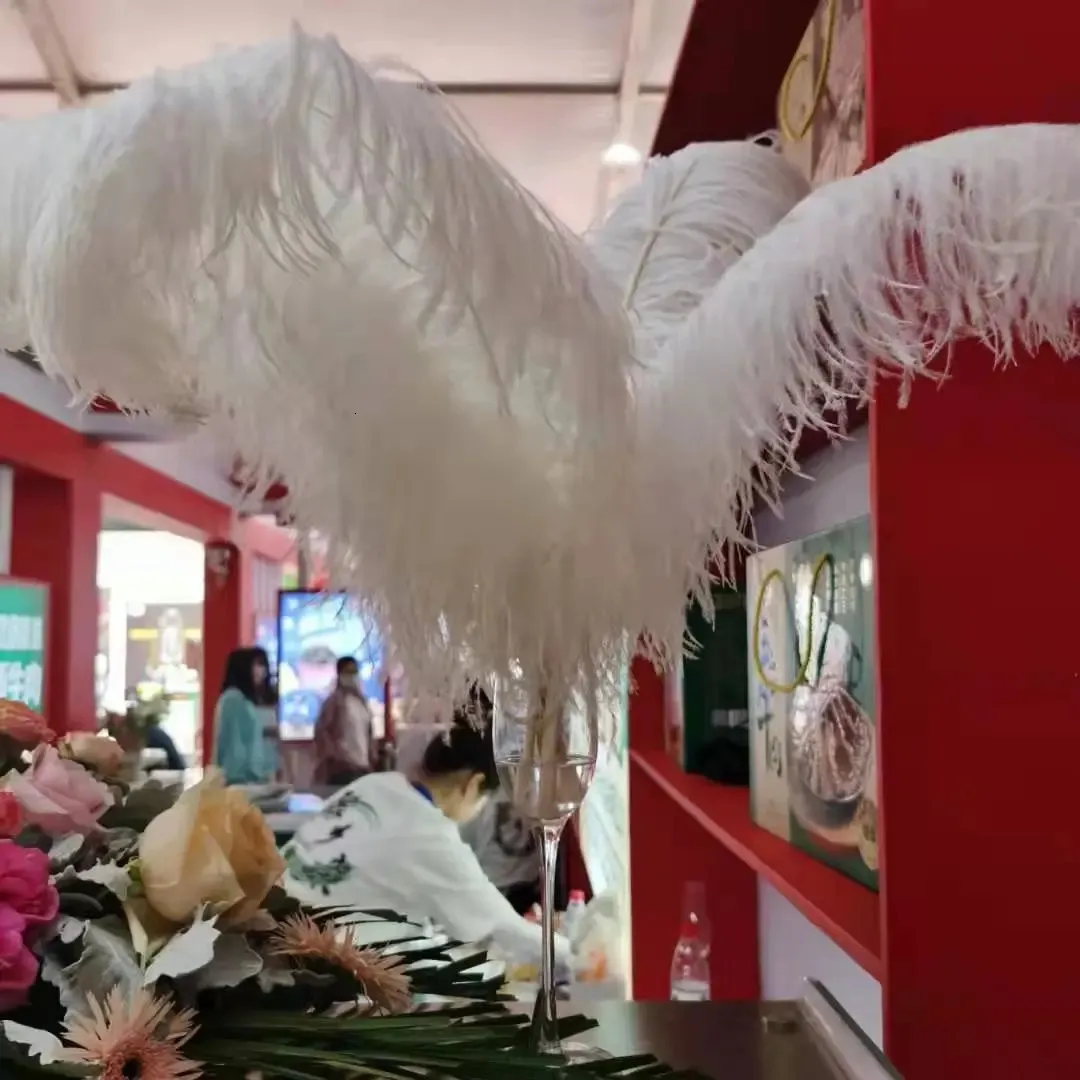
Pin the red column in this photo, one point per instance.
(55, 526)
(224, 626)
(975, 533)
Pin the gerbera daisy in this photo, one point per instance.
(381, 977)
(140, 1040)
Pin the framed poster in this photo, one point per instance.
(813, 738)
(24, 607)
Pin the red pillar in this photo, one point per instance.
(224, 624)
(972, 492)
(55, 526)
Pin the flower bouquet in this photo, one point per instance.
(144, 937)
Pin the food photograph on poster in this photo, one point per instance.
(814, 750)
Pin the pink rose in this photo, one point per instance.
(25, 887)
(18, 965)
(59, 796)
(10, 815)
(22, 725)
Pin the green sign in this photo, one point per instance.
(23, 609)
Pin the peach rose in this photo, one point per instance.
(212, 847)
(99, 752)
(59, 796)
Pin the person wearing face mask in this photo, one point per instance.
(343, 744)
(391, 841)
(238, 727)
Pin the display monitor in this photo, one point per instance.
(314, 630)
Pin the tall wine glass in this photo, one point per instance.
(545, 751)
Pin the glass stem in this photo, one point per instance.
(544, 1033)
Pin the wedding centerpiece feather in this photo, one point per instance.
(667, 243)
(669, 238)
(317, 259)
(975, 235)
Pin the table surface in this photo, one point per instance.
(723, 1040)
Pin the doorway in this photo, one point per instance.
(150, 626)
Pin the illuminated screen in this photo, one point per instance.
(266, 639)
(314, 629)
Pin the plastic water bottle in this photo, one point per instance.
(575, 912)
(690, 979)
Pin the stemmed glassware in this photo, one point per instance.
(545, 750)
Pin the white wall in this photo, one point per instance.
(151, 567)
(791, 948)
(145, 568)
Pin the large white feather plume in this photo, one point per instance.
(669, 238)
(323, 263)
(976, 235)
(667, 242)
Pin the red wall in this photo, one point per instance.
(60, 479)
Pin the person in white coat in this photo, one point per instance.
(391, 841)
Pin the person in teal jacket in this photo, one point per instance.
(238, 726)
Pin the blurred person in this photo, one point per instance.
(392, 841)
(157, 738)
(344, 748)
(507, 851)
(266, 705)
(238, 727)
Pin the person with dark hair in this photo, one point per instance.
(391, 841)
(343, 743)
(266, 701)
(238, 735)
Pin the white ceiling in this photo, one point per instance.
(539, 80)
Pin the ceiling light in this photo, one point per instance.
(621, 154)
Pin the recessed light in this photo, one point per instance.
(620, 154)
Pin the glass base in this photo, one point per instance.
(579, 1053)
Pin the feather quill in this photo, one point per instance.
(975, 235)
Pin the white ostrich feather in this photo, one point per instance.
(669, 239)
(322, 263)
(667, 242)
(976, 235)
(191, 185)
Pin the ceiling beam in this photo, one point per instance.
(49, 43)
(87, 88)
(631, 90)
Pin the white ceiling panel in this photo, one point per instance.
(669, 22)
(647, 113)
(552, 143)
(18, 58)
(14, 104)
(462, 41)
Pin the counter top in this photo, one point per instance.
(722, 1040)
